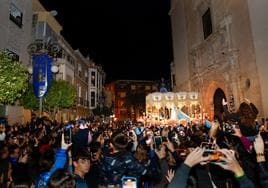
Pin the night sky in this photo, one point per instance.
(130, 38)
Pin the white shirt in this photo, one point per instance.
(2, 136)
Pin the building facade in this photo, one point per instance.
(96, 85)
(15, 36)
(73, 66)
(128, 97)
(24, 22)
(16, 28)
(220, 51)
(81, 84)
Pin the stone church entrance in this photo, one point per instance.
(217, 101)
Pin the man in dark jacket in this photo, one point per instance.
(118, 163)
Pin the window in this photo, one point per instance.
(15, 15)
(35, 19)
(207, 23)
(173, 79)
(86, 78)
(122, 94)
(79, 70)
(93, 79)
(147, 88)
(154, 88)
(92, 99)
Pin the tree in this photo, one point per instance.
(61, 94)
(13, 79)
(29, 100)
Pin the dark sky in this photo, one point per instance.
(130, 38)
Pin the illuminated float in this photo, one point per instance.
(170, 107)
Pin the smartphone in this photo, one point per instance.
(129, 182)
(137, 131)
(67, 135)
(158, 141)
(206, 145)
(182, 153)
(214, 156)
(25, 151)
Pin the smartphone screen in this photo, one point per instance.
(157, 141)
(214, 156)
(129, 182)
(68, 135)
(206, 145)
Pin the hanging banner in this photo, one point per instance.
(42, 74)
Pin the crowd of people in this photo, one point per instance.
(227, 152)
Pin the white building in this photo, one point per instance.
(96, 85)
(16, 27)
(15, 36)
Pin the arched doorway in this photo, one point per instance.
(217, 101)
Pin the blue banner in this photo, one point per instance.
(42, 74)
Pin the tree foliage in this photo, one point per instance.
(61, 94)
(13, 79)
(29, 100)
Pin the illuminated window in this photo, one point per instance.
(93, 79)
(79, 70)
(15, 15)
(147, 88)
(122, 94)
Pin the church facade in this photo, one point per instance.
(220, 48)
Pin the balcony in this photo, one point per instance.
(82, 102)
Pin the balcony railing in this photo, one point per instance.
(82, 102)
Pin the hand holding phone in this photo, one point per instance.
(158, 141)
(67, 135)
(214, 156)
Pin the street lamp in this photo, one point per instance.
(42, 52)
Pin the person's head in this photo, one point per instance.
(246, 114)
(61, 179)
(81, 162)
(46, 160)
(141, 152)
(4, 153)
(119, 141)
(14, 151)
